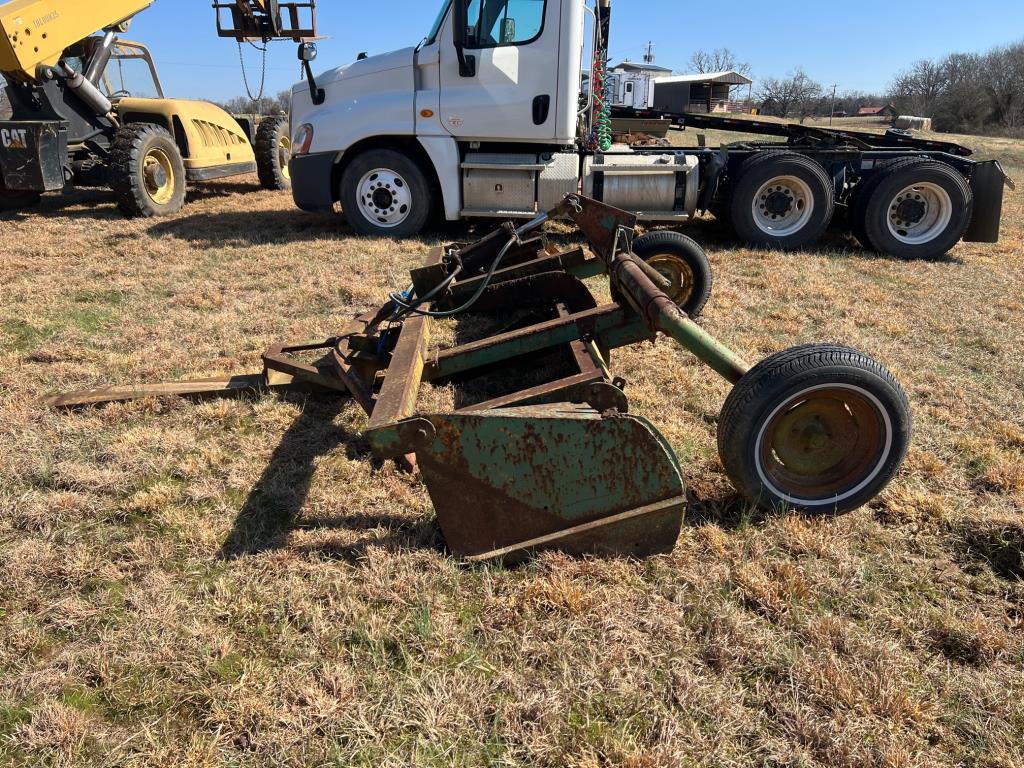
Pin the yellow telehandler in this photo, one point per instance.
(88, 108)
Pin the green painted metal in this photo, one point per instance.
(702, 344)
(525, 341)
(500, 478)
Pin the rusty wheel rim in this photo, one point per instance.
(158, 176)
(678, 273)
(824, 445)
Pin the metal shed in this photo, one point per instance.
(705, 92)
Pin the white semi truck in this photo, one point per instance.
(485, 118)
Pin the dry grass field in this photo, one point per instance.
(238, 583)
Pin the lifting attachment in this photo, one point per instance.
(543, 451)
(266, 20)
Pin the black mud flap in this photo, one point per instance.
(33, 155)
(987, 182)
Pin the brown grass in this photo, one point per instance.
(238, 583)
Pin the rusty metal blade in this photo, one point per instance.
(507, 479)
(232, 386)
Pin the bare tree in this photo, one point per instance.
(240, 105)
(966, 92)
(718, 60)
(795, 94)
(917, 90)
(1004, 82)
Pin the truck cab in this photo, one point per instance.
(463, 124)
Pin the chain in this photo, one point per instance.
(263, 72)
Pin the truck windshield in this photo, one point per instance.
(434, 30)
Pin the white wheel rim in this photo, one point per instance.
(384, 198)
(783, 206)
(888, 437)
(919, 213)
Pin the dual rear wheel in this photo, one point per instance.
(910, 207)
(781, 200)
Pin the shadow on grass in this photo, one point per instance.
(403, 534)
(271, 510)
(725, 508)
(251, 227)
(100, 204)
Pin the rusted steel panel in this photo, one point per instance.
(397, 398)
(534, 338)
(231, 386)
(502, 479)
(542, 393)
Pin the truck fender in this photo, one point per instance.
(443, 152)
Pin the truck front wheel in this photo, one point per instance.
(781, 200)
(385, 194)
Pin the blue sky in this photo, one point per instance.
(823, 37)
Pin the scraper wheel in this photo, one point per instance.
(817, 428)
(681, 261)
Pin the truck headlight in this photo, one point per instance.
(302, 140)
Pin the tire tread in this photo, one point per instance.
(268, 167)
(740, 203)
(126, 154)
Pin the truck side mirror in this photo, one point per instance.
(508, 31)
(307, 53)
(467, 64)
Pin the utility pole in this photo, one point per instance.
(832, 112)
(649, 53)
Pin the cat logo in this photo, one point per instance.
(14, 138)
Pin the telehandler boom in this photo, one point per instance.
(76, 121)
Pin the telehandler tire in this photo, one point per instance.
(817, 428)
(273, 151)
(683, 262)
(146, 171)
(385, 194)
(781, 200)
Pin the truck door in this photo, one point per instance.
(510, 89)
(627, 93)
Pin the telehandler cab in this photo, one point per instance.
(88, 109)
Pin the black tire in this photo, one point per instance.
(273, 151)
(401, 183)
(681, 260)
(816, 428)
(805, 228)
(857, 204)
(146, 171)
(919, 211)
